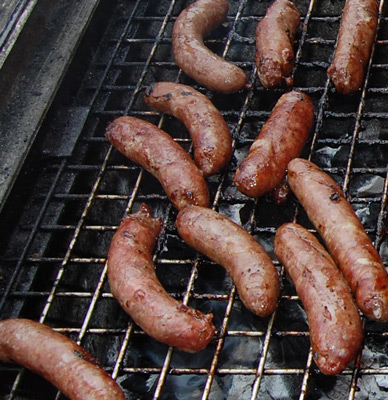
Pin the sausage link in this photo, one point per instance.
(354, 44)
(208, 129)
(57, 358)
(229, 245)
(344, 235)
(281, 139)
(135, 286)
(275, 44)
(156, 151)
(194, 58)
(335, 326)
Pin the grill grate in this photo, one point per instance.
(53, 253)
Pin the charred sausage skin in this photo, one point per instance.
(275, 44)
(354, 44)
(281, 193)
(156, 151)
(135, 286)
(335, 325)
(194, 58)
(209, 132)
(281, 139)
(232, 247)
(344, 235)
(57, 358)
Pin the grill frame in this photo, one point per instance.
(51, 273)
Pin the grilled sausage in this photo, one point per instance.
(208, 129)
(135, 286)
(156, 151)
(194, 58)
(57, 358)
(334, 322)
(281, 139)
(275, 44)
(344, 235)
(354, 44)
(229, 245)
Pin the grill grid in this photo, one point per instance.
(54, 266)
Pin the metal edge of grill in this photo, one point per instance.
(74, 189)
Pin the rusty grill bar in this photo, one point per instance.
(58, 222)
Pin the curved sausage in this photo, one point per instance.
(135, 286)
(229, 245)
(335, 325)
(354, 44)
(194, 58)
(208, 129)
(275, 44)
(281, 139)
(158, 153)
(344, 235)
(57, 358)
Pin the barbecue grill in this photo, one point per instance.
(64, 191)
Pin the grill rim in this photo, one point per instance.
(30, 78)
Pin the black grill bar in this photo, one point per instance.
(54, 260)
(28, 243)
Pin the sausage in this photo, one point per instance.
(354, 44)
(208, 130)
(275, 44)
(232, 247)
(57, 358)
(335, 325)
(344, 235)
(158, 153)
(135, 286)
(194, 58)
(281, 139)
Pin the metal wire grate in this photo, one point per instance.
(53, 253)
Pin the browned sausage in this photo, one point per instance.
(194, 58)
(275, 44)
(229, 245)
(135, 286)
(57, 358)
(344, 235)
(208, 129)
(354, 44)
(335, 326)
(281, 139)
(156, 151)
